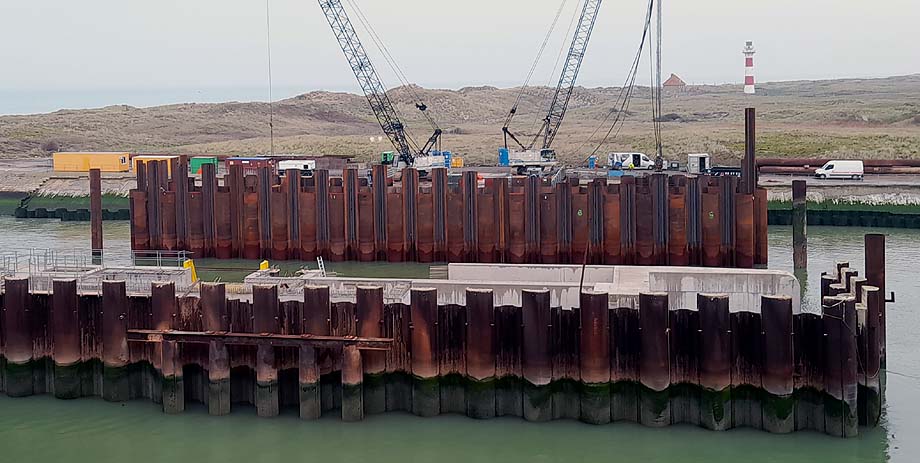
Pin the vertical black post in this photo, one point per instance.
(749, 163)
(95, 213)
(799, 225)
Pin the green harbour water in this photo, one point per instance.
(43, 429)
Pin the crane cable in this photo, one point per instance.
(536, 62)
(656, 90)
(621, 105)
(554, 75)
(271, 97)
(391, 62)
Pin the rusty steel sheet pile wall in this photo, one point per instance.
(652, 220)
(778, 370)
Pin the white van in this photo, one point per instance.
(842, 169)
(629, 161)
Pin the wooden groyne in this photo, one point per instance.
(779, 369)
(653, 220)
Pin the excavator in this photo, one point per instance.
(528, 159)
(407, 152)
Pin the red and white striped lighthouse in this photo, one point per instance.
(749, 68)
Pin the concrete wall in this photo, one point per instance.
(623, 284)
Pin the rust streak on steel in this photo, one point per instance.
(532, 219)
(410, 182)
(439, 219)
(646, 220)
(352, 216)
(253, 339)
(379, 184)
(208, 217)
(180, 176)
(678, 251)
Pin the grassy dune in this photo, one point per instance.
(868, 118)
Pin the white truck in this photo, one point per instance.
(698, 163)
(425, 164)
(305, 166)
(533, 162)
(630, 161)
(845, 169)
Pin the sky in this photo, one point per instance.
(143, 51)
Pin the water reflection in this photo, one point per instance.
(96, 431)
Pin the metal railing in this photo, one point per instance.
(43, 266)
(160, 258)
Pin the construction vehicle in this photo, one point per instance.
(542, 160)
(408, 153)
(306, 167)
(630, 161)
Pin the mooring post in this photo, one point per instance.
(215, 320)
(116, 385)
(424, 346)
(352, 384)
(95, 213)
(654, 363)
(480, 354)
(799, 225)
(66, 335)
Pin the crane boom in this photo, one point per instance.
(373, 88)
(566, 85)
(567, 79)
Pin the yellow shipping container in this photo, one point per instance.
(83, 162)
(456, 162)
(145, 159)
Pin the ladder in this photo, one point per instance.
(322, 265)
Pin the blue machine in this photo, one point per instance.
(447, 157)
(592, 162)
(504, 157)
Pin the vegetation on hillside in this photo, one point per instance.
(868, 118)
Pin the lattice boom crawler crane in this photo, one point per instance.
(408, 153)
(542, 160)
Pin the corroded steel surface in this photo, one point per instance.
(654, 220)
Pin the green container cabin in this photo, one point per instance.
(196, 162)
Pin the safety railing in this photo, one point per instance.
(160, 258)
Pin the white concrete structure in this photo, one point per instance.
(623, 284)
(749, 52)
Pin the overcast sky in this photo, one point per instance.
(70, 45)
